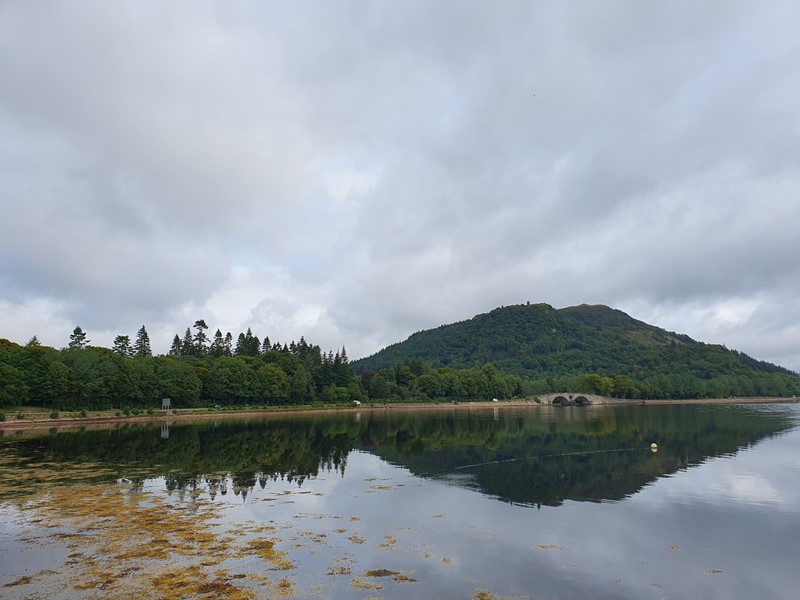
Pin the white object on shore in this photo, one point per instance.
(653, 447)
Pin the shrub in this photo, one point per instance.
(55, 414)
(2, 416)
(20, 415)
(126, 411)
(118, 413)
(150, 411)
(83, 414)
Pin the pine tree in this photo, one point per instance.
(187, 347)
(247, 344)
(241, 344)
(33, 342)
(122, 346)
(265, 346)
(175, 349)
(78, 341)
(217, 347)
(253, 344)
(200, 340)
(227, 349)
(141, 347)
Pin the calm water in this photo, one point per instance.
(545, 502)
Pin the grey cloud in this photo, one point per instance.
(398, 166)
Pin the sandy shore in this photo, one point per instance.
(111, 420)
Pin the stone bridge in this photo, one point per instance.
(574, 399)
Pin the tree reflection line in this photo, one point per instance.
(524, 458)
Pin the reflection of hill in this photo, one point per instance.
(541, 445)
(600, 455)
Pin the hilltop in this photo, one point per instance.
(540, 344)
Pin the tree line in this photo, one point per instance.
(197, 372)
(599, 355)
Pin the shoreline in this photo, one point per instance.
(170, 418)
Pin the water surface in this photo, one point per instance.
(540, 502)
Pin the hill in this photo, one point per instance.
(540, 343)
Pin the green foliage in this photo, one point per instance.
(193, 374)
(141, 346)
(592, 349)
(77, 340)
(175, 348)
(200, 340)
(2, 416)
(13, 388)
(333, 394)
(122, 346)
(510, 352)
(248, 344)
(55, 414)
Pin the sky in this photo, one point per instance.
(356, 171)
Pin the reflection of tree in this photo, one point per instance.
(598, 455)
(233, 456)
(541, 447)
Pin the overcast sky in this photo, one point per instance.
(356, 171)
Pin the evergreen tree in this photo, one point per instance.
(141, 347)
(175, 349)
(122, 346)
(33, 342)
(247, 344)
(241, 344)
(217, 347)
(265, 346)
(227, 349)
(78, 341)
(200, 340)
(187, 345)
(253, 344)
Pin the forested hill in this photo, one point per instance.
(536, 341)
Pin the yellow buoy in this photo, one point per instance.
(653, 447)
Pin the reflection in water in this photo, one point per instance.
(338, 507)
(529, 456)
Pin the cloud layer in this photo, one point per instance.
(354, 173)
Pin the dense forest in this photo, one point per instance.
(511, 352)
(198, 371)
(593, 349)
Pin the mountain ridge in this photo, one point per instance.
(539, 342)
